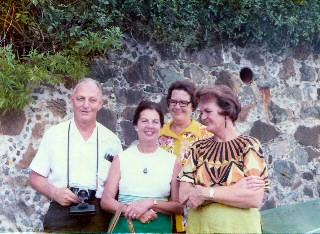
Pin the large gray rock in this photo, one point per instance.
(255, 58)
(285, 172)
(308, 73)
(312, 153)
(303, 136)
(129, 134)
(140, 72)
(27, 158)
(264, 132)
(107, 118)
(209, 57)
(129, 97)
(301, 52)
(102, 71)
(166, 51)
(310, 112)
(302, 157)
(128, 113)
(224, 78)
(277, 114)
(169, 76)
(287, 69)
(58, 107)
(12, 123)
(308, 191)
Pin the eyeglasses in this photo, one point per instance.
(172, 102)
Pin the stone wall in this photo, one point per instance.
(281, 107)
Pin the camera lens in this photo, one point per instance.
(83, 195)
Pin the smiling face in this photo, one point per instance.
(148, 126)
(178, 113)
(86, 101)
(210, 115)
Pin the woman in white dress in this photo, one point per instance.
(145, 176)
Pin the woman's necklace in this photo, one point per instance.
(145, 170)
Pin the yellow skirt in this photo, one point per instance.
(218, 218)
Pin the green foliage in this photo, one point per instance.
(38, 49)
(193, 23)
(18, 79)
(273, 23)
(98, 44)
(68, 33)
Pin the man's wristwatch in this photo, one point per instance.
(211, 193)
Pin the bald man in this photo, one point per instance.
(75, 156)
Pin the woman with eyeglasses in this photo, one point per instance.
(225, 176)
(182, 131)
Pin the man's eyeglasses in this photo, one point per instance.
(172, 102)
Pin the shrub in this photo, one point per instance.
(18, 78)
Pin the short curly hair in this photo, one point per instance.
(184, 85)
(226, 99)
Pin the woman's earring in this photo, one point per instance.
(225, 121)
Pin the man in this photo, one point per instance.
(75, 154)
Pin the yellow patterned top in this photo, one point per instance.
(212, 163)
(179, 144)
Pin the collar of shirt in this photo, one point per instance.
(74, 132)
(194, 128)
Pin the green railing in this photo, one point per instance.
(302, 217)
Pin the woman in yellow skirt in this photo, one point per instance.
(225, 176)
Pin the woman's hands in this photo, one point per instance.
(149, 216)
(135, 210)
(251, 182)
(196, 197)
(141, 210)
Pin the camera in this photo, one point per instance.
(85, 195)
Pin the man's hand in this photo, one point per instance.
(64, 196)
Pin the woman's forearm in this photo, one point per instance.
(238, 197)
(110, 205)
(168, 207)
(227, 195)
(184, 191)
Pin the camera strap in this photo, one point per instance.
(68, 163)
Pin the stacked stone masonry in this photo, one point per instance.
(281, 107)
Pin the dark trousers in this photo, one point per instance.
(58, 219)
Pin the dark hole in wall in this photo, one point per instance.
(246, 75)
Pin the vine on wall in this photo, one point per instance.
(76, 31)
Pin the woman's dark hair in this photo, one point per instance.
(184, 85)
(148, 105)
(226, 99)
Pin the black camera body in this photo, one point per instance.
(85, 195)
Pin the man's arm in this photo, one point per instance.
(63, 196)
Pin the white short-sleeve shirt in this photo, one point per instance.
(51, 159)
